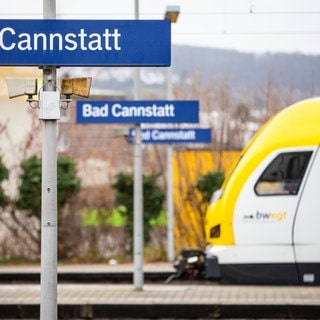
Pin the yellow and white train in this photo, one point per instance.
(263, 226)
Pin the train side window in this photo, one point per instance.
(284, 174)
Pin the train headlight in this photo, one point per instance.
(216, 196)
(215, 231)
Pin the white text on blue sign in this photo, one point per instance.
(137, 111)
(172, 135)
(107, 40)
(85, 42)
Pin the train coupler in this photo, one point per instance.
(190, 265)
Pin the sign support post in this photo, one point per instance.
(170, 204)
(49, 224)
(138, 189)
(138, 212)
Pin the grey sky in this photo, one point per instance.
(244, 25)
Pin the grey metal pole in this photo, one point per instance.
(170, 205)
(138, 277)
(48, 303)
(138, 212)
(170, 213)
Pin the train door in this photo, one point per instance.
(265, 214)
(306, 235)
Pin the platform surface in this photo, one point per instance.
(174, 300)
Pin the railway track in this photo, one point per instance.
(84, 277)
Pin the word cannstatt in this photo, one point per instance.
(85, 42)
(82, 40)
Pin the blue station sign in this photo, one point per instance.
(138, 111)
(85, 42)
(173, 135)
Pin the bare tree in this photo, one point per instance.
(20, 233)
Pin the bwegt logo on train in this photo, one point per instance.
(266, 217)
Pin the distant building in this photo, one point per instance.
(98, 148)
(98, 151)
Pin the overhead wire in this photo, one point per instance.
(250, 12)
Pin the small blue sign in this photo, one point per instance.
(85, 42)
(138, 111)
(173, 135)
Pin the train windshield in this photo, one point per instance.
(284, 174)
